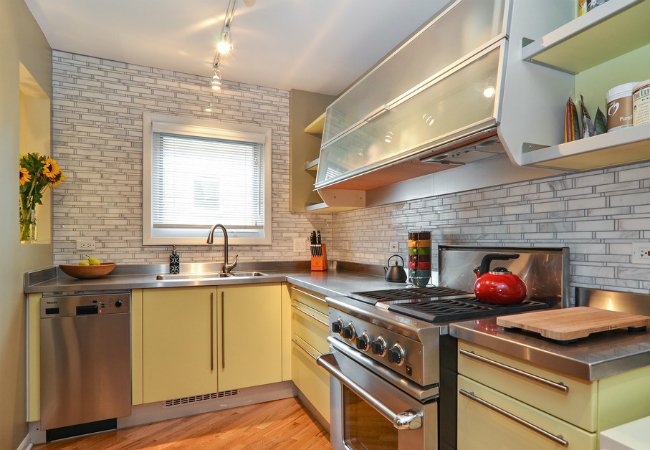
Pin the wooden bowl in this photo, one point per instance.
(87, 272)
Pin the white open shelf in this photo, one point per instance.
(609, 30)
(618, 147)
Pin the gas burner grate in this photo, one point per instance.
(450, 310)
(410, 293)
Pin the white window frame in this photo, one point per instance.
(204, 128)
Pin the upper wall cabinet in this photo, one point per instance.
(464, 101)
(442, 81)
(441, 44)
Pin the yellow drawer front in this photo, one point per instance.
(310, 327)
(309, 298)
(532, 385)
(481, 427)
(311, 379)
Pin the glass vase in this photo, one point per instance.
(27, 225)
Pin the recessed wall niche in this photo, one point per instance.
(35, 136)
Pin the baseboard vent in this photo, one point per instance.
(199, 398)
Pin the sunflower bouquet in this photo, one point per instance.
(36, 173)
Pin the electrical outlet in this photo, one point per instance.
(394, 247)
(300, 245)
(85, 245)
(641, 252)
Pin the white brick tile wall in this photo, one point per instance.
(598, 215)
(97, 138)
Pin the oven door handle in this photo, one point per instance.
(406, 420)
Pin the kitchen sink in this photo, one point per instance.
(191, 276)
(248, 274)
(206, 276)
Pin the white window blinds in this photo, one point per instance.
(198, 181)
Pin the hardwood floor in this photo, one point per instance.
(282, 424)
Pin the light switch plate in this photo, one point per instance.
(641, 252)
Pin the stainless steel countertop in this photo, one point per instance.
(339, 280)
(593, 358)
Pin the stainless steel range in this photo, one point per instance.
(393, 364)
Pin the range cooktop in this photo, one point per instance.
(441, 304)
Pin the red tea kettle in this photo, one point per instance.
(499, 286)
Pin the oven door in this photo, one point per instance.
(369, 413)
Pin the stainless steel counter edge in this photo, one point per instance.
(594, 359)
(332, 282)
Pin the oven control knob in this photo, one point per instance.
(337, 326)
(378, 346)
(348, 332)
(396, 354)
(362, 342)
(119, 303)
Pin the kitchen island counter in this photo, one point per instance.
(593, 358)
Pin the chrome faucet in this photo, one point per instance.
(226, 268)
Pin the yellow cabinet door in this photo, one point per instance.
(179, 340)
(488, 419)
(250, 335)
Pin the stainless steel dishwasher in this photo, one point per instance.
(85, 358)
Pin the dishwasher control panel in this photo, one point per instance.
(85, 305)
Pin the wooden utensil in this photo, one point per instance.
(568, 324)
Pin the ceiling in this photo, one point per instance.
(314, 45)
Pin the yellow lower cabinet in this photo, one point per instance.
(488, 419)
(250, 335)
(179, 341)
(311, 379)
(311, 326)
(568, 398)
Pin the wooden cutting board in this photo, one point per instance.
(568, 324)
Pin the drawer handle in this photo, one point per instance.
(519, 420)
(559, 386)
(296, 340)
(310, 314)
(308, 294)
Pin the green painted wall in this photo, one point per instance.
(594, 83)
(21, 42)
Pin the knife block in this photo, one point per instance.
(319, 263)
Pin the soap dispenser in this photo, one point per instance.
(174, 261)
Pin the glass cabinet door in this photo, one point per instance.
(466, 27)
(465, 99)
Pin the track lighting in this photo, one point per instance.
(215, 83)
(224, 46)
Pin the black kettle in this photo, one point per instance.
(395, 273)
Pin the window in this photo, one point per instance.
(201, 172)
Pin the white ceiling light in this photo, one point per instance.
(215, 83)
(224, 46)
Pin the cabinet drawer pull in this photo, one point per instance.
(559, 386)
(211, 331)
(223, 345)
(309, 314)
(303, 347)
(519, 420)
(308, 294)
